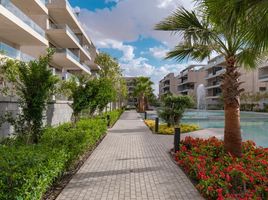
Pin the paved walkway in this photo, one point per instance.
(130, 163)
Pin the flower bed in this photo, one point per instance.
(165, 130)
(221, 176)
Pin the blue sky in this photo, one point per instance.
(124, 29)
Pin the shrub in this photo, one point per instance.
(114, 115)
(166, 130)
(27, 171)
(222, 176)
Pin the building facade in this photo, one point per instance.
(168, 85)
(29, 27)
(190, 78)
(249, 78)
(131, 101)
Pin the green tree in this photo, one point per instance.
(106, 93)
(230, 35)
(34, 84)
(143, 89)
(83, 91)
(110, 70)
(173, 107)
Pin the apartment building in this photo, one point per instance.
(29, 27)
(168, 85)
(216, 68)
(263, 73)
(131, 83)
(190, 78)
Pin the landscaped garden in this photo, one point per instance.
(219, 175)
(37, 156)
(28, 171)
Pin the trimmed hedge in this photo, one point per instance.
(27, 171)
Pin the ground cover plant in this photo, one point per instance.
(169, 130)
(222, 176)
(27, 171)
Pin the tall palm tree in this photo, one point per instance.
(143, 89)
(220, 26)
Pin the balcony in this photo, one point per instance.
(218, 73)
(11, 52)
(211, 86)
(215, 61)
(62, 12)
(263, 78)
(64, 58)
(263, 73)
(63, 35)
(17, 27)
(37, 7)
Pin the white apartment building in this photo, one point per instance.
(29, 27)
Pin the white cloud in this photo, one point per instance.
(126, 22)
(159, 52)
(127, 50)
(131, 18)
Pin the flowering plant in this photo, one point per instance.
(220, 175)
(165, 130)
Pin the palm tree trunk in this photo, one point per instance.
(231, 94)
(141, 103)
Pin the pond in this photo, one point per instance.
(254, 126)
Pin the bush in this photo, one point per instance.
(27, 171)
(114, 115)
(222, 176)
(164, 129)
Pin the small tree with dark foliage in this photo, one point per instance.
(173, 108)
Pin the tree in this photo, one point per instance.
(173, 108)
(83, 91)
(231, 35)
(34, 84)
(110, 70)
(143, 89)
(106, 93)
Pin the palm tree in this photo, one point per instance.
(143, 89)
(217, 26)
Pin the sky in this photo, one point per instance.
(125, 30)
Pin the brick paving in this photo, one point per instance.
(130, 163)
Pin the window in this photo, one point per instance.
(262, 89)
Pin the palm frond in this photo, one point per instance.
(185, 51)
(188, 24)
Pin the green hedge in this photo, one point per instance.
(27, 171)
(114, 115)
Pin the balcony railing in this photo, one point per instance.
(263, 76)
(67, 3)
(18, 13)
(67, 28)
(14, 53)
(69, 53)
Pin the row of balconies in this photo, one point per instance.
(20, 29)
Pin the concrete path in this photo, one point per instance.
(130, 163)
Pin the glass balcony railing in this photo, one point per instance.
(67, 28)
(14, 53)
(68, 52)
(16, 11)
(67, 3)
(73, 55)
